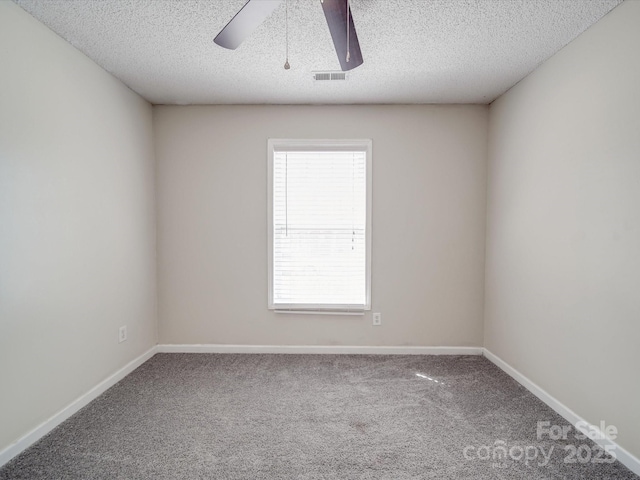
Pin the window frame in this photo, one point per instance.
(365, 145)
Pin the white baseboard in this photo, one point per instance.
(320, 349)
(41, 430)
(625, 457)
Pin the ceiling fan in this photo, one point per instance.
(337, 13)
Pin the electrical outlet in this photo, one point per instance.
(377, 319)
(122, 334)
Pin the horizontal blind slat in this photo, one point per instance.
(319, 215)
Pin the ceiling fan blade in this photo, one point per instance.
(245, 22)
(335, 11)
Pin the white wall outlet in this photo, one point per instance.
(122, 334)
(377, 319)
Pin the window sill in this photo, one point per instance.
(321, 312)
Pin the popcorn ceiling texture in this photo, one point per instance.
(415, 51)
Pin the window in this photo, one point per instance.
(320, 225)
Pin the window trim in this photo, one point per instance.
(366, 145)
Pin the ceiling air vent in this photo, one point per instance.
(324, 76)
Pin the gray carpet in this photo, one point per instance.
(192, 416)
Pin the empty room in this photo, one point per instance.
(320, 239)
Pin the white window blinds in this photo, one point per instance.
(319, 227)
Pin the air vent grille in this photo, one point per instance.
(327, 76)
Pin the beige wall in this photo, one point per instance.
(563, 243)
(77, 224)
(428, 224)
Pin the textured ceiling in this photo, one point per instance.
(415, 51)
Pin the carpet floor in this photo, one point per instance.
(209, 416)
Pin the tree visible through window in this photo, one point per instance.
(319, 225)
